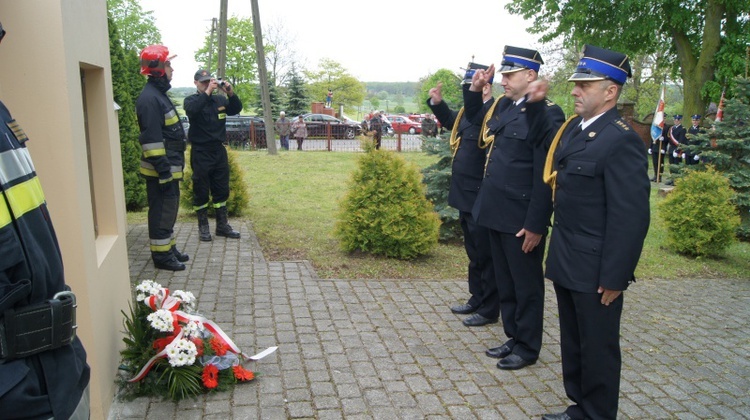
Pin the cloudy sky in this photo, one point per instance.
(376, 41)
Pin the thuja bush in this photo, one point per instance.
(238, 195)
(699, 215)
(384, 211)
(437, 178)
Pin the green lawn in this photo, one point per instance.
(293, 204)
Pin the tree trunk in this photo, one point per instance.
(696, 72)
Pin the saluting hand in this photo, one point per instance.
(481, 77)
(436, 94)
(537, 90)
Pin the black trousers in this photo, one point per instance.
(590, 348)
(210, 176)
(520, 286)
(482, 284)
(163, 203)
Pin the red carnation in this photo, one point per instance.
(210, 376)
(242, 374)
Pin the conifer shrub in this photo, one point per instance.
(238, 193)
(437, 178)
(699, 215)
(385, 211)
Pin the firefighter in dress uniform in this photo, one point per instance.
(467, 170)
(43, 370)
(597, 167)
(163, 145)
(514, 202)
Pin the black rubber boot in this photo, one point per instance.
(179, 255)
(222, 226)
(166, 261)
(203, 228)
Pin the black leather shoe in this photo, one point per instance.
(557, 416)
(513, 362)
(499, 352)
(170, 264)
(463, 309)
(476, 320)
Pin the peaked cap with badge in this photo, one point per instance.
(471, 69)
(602, 64)
(516, 59)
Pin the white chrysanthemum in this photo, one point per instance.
(161, 320)
(193, 329)
(181, 352)
(185, 297)
(147, 288)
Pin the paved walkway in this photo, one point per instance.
(391, 349)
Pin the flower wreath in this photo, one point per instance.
(171, 350)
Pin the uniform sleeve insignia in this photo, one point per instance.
(17, 131)
(549, 103)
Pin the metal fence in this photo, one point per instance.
(254, 137)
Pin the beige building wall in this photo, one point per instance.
(56, 81)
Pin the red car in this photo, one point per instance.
(402, 124)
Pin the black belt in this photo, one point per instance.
(37, 328)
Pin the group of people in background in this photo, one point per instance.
(671, 144)
(516, 162)
(286, 127)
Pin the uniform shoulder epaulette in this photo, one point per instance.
(622, 124)
(549, 103)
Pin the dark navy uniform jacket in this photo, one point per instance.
(468, 160)
(208, 118)
(601, 206)
(48, 384)
(513, 194)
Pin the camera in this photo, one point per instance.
(220, 82)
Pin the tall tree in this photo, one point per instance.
(297, 101)
(347, 90)
(693, 31)
(241, 66)
(452, 93)
(280, 52)
(136, 27)
(122, 61)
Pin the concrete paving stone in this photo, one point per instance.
(418, 384)
(300, 410)
(450, 397)
(218, 406)
(348, 390)
(511, 412)
(460, 412)
(478, 401)
(403, 399)
(369, 382)
(353, 406)
(330, 415)
(430, 404)
(377, 398)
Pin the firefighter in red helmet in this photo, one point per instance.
(163, 145)
(43, 370)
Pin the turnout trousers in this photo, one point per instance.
(210, 176)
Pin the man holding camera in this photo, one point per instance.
(208, 157)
